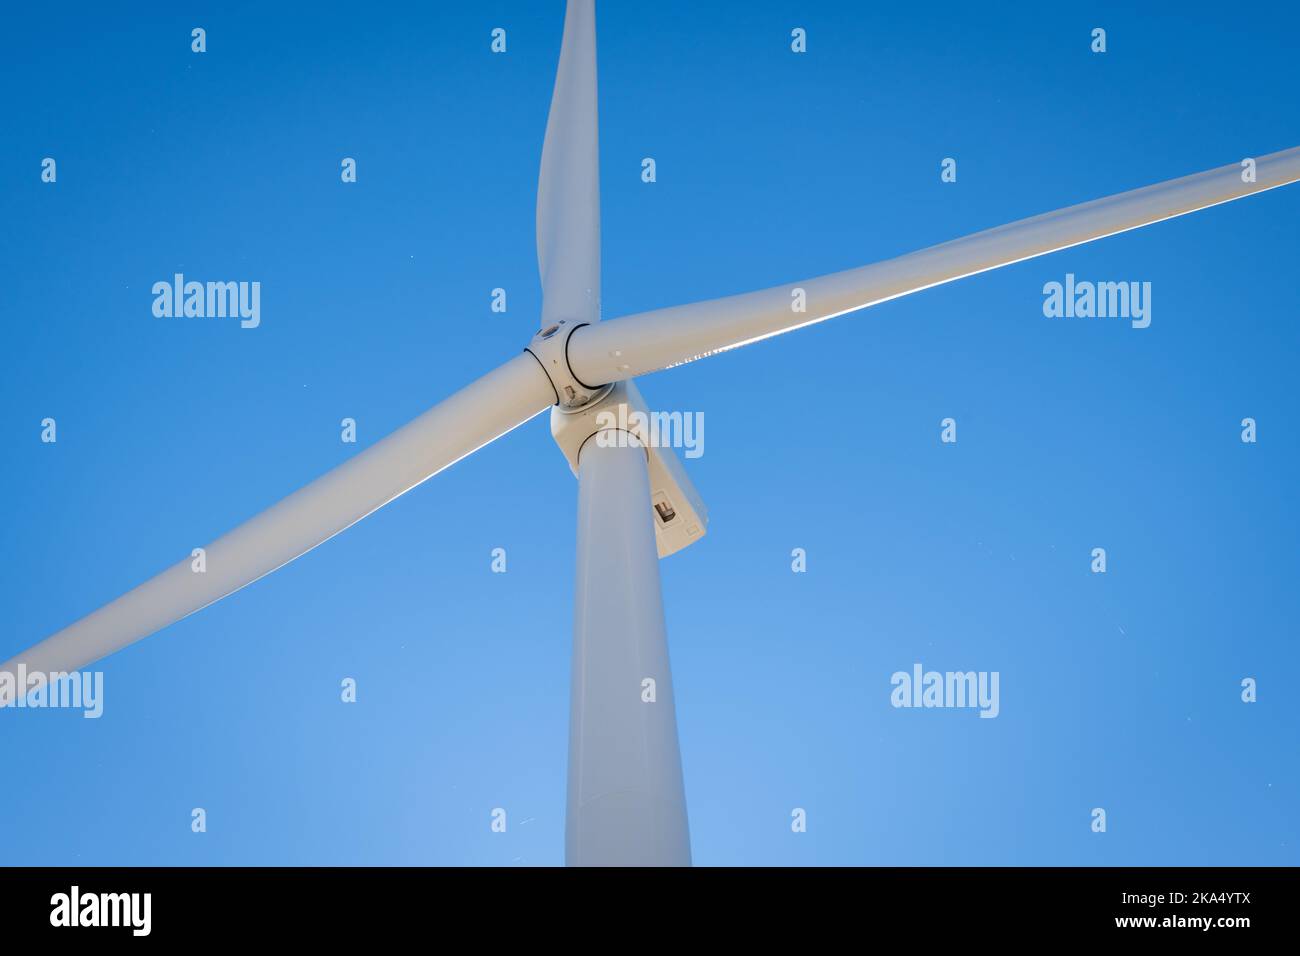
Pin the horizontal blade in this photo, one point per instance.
(568, 189)
(621, 348)
(469, 419)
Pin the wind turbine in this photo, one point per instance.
(626, 801)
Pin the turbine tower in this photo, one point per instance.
(626, 801)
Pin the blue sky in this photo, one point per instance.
(1119, 691)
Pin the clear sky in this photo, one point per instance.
(1119, 691)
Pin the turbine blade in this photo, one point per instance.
(634, 345)
(451, 430)
(568, 189)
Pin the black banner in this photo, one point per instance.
(333, 905)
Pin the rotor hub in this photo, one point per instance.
(550, 346)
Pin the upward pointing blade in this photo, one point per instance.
(568, 190)
(477, 414)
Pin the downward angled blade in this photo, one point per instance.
(469, 419)
(568, 190)
(621, 348)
